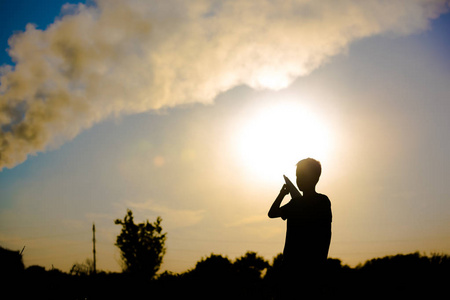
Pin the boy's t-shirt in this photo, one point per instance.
(308, 231)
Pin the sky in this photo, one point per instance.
(193, 111)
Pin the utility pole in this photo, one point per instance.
(93, 249)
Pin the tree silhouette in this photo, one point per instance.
(248, 270)
(250, 266)
(399, 276)
(141, 245)
(215, 266)
(10, 262)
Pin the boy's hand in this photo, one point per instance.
(284, 190)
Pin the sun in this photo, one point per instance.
(272, 140)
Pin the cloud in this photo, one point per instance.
(252, 220)
(174, 218)
(123, 57)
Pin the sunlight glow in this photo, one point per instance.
(271, 79)
(275, 138)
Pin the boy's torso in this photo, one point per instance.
(308, 227)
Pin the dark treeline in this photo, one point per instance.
(217, 277)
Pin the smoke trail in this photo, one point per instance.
(122, 57)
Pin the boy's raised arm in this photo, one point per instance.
(275, 211)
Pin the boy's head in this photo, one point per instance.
(308, 173)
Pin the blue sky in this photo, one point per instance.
(17, 14)
(208, 151)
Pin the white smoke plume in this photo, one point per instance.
(119, 57)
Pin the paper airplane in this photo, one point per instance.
(292, 189)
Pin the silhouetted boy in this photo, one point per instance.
(308, 231)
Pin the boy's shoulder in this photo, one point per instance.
(317, 198)
(323, 198)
